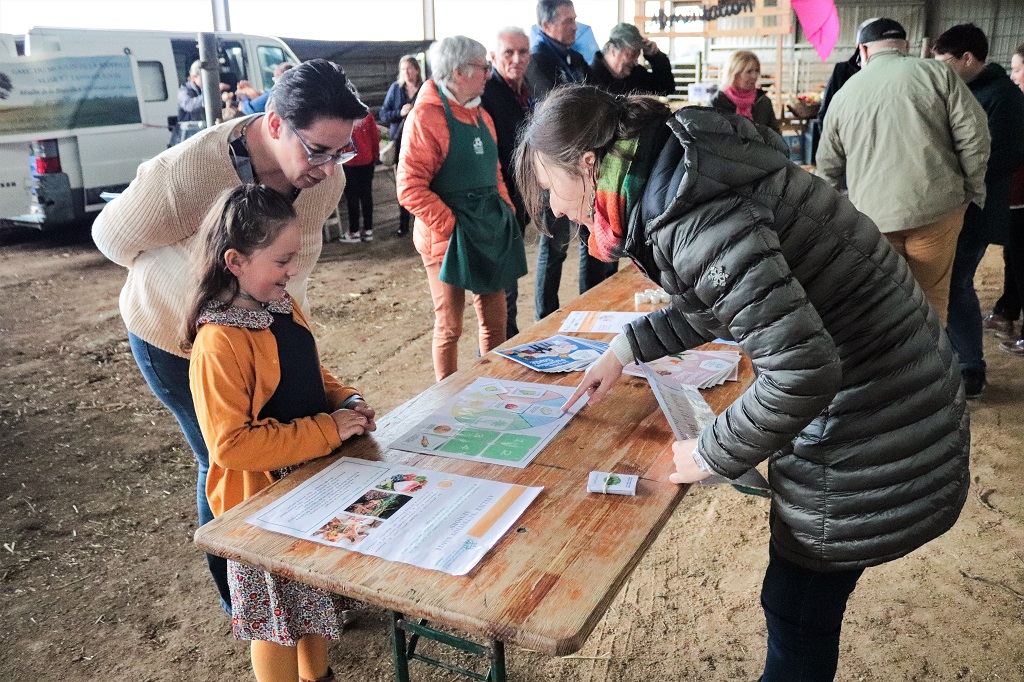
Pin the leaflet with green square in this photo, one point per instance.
(469, 442)
(511, 447)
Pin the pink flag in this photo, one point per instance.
(820, 22)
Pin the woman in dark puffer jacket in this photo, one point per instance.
(857, 404)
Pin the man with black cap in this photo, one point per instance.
(911, 143)
(617, 69)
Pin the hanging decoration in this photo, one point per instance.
(820, 22)
(704, 13)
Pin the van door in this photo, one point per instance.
(108, 161)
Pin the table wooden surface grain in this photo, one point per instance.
(549, 580)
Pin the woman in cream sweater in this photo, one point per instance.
(294, 149)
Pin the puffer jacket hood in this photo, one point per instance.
(731, 138)
(857, 404)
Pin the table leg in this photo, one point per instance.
(403, 650)
(497, 671)
(398, 648)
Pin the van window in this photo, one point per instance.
(232, 62)
(230, 54)
(151, 77)
(269, 57)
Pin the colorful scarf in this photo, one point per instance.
(618, 191)
(743, 99)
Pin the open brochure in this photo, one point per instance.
(556, 354)
(688, 413)
(430, 519)
(494, 421)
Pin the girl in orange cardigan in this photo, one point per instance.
(265, 405)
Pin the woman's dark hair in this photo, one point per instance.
(1019, 51)
(574, 120)
(246, 219)
(960, 39)
(313, 90)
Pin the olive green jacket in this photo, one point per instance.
(908, 139)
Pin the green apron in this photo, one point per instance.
(485, 252)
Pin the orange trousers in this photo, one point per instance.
(449, 310)
(929, 251)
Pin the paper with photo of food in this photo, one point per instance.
(426, 518)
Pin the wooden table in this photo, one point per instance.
(547, 583)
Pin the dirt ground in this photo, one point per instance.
(100, 580)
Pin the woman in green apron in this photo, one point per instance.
(449, 178)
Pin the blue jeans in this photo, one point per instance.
(551, 255)
(804, 612)
(964, 320)
(167, 376)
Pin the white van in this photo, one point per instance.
(53, 170)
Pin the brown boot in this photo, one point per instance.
(329, 677)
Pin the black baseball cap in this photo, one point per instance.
(880, 28)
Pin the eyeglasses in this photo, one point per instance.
(483, 67)
(316, 159)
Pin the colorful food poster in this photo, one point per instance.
(429, 519)
(688, 414)
(556, 354)
(579, 321)
(493, 421)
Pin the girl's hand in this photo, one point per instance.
(350, 423)
(687, 470)
(406, 108)
(598, 379)
(364, 409)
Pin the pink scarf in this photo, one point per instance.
(743, 99)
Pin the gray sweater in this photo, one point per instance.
(857, 404)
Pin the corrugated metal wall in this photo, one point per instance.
(1002, 21)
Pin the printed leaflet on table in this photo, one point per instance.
(700, 368)
(688, 413)
(579, 321)
(493, 421)
(429, 519)
(556, 354)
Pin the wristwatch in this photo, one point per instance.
(699, 460)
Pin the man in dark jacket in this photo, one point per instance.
(842, 72)
(965, 48)
(507, 98)
(555, 63)
(190, 102)
(616, 67)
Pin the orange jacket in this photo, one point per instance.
(424, 148)
(233, 373)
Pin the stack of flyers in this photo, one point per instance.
(556, 354)
(700, 368)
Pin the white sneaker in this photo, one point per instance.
(349, 238)
(367, 235)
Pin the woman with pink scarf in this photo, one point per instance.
(740, 94)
